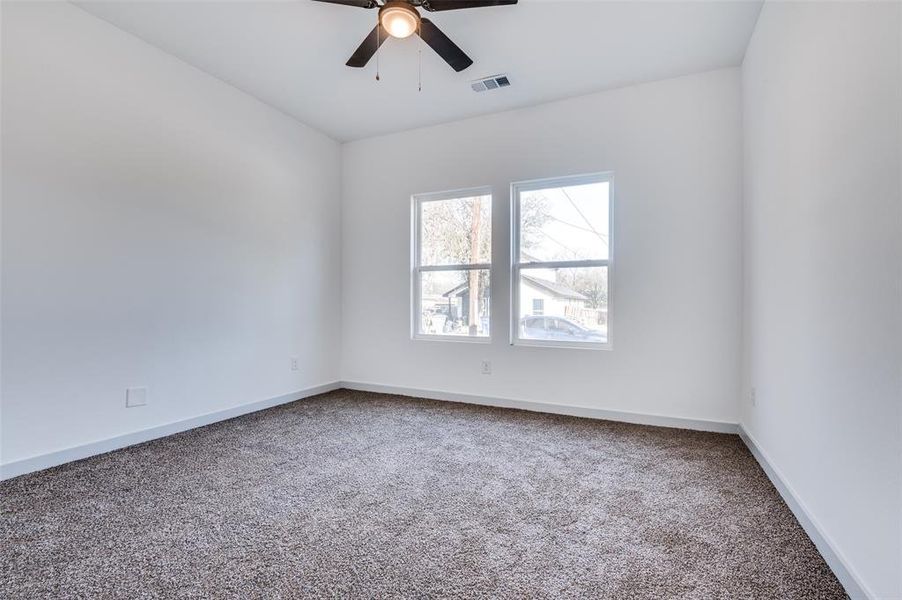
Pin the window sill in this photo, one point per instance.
(562, 345)
(419, 337)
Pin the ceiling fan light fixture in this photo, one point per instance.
(400, 20)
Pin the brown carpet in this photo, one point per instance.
(352, 494)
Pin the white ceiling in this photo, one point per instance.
(291, 54)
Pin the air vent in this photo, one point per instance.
(490, 83)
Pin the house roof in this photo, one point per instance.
(556, 289)
(456, 290)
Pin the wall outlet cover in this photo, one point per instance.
(135, 397)
(486, 367)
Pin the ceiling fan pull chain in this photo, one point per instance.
(420, 58)
(378, 44)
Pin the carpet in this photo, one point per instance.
(358, 495)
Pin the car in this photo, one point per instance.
(557, 328)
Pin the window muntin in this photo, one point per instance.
(452, 258)
(561, 262)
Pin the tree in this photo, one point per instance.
(590, 282)
(459, 232)
(534, 213)
(449, 234)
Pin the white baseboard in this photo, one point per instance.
(547, 407)
(855, 587)
(59, 457)
(52, 459)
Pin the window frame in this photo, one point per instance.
(416, 270)
(517, 188)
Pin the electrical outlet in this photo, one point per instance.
(135, 397)
(294, 363)
(486, 367)
(753, 397)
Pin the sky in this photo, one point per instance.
(578, 224)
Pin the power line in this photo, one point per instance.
(595, 231)
(561, 244)
(604, 238)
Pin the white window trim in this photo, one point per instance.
(537, 184)
(417, 201)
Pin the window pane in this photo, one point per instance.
(564, 223)
(564, 305)
(454, 303)
(456, 231)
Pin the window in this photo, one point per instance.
(561, 262)
(538, 306)
(452, 261)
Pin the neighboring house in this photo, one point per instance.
(540, 296)
(458, 303)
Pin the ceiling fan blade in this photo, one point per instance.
(436, 5)
(357, 3)
(368, 47)
(443, 46)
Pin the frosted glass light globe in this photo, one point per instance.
(398, 22)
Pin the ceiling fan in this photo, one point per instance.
(400, 19)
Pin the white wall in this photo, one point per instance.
(674, 147)
(160, 229)
(822, 97)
